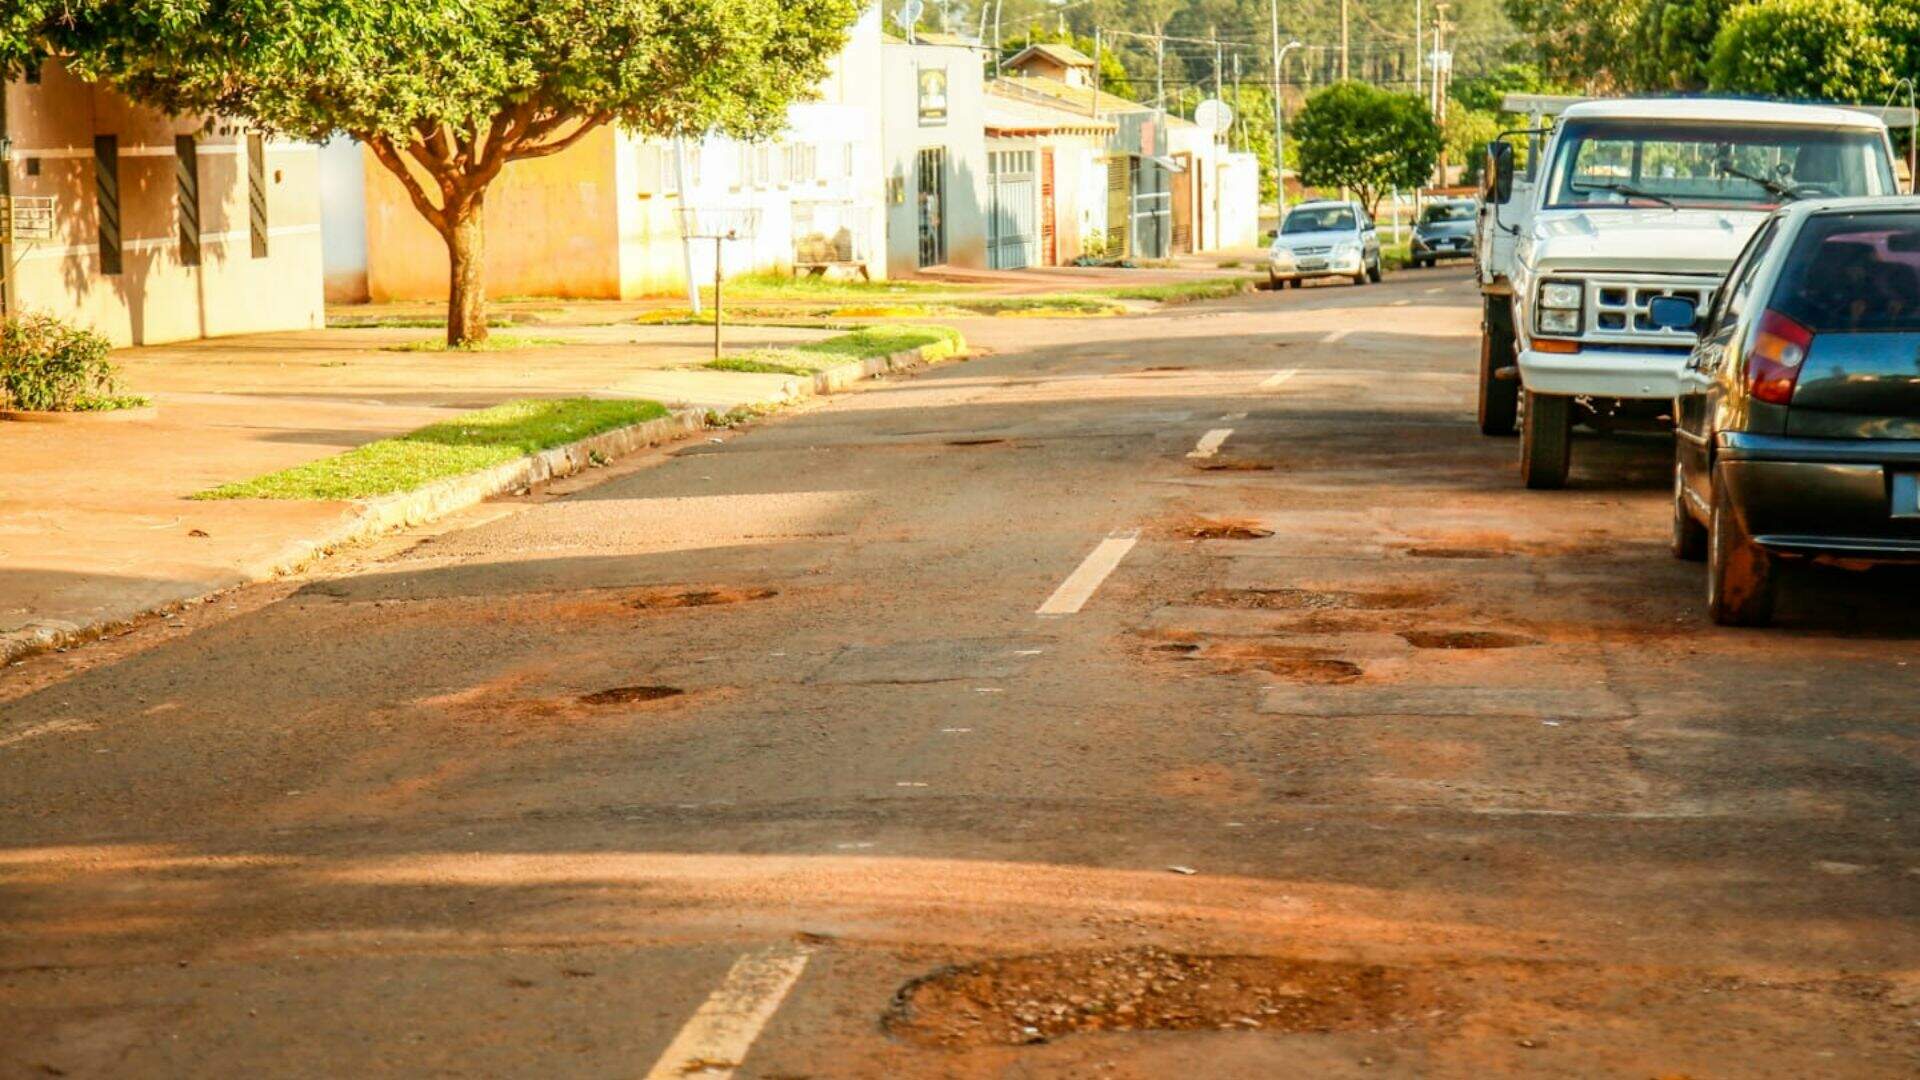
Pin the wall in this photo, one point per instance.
(962, 135)
(343, 221)
(157, 297)
(550, 223)
(1239, 201)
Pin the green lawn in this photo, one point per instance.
(493, 343)
(883, 340)
(469, 443)
(771, 286)
(403, 322)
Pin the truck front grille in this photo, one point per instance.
(1619, 309)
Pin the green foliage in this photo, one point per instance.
(1826, 50)
(1468, 131)
(935, 342)
(47, 365)
(1485, 92)
(1367, 139)
(466, 444)
(1589, 43)
(1674, 42)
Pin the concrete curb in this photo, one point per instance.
(375, 517)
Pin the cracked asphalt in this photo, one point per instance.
(755, 756)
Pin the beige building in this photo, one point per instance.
(162, 229)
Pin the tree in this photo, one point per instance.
(1826, 50)
(447, 93)
(1362, 137)
(1589, 42)
(1467, 133)
(1487, 91)
(1674, 42)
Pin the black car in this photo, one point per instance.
(1798, 417)
(1445, 231)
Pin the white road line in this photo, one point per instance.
(1278, 377)
(1336, 337)
(1210, 443)
(51, 727)
(717, 1037)
(1073, 593)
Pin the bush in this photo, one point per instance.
(47, 365)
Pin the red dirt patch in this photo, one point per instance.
(1031, 999)
(1222, 529)
(1464, 639)
(664, 599)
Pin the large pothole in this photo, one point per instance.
(1031, 999)
(1315, 600)
(630, 695)
(1223, 529)
(1465, 639)
(661, 599)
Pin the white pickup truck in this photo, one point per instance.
(1629, 200)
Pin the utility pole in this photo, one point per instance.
(1442, 67)
(1160, 73)
(1093, 105)
(1238, 103)
(1419, 44)
(1343, 40)
(1279, 119)
(1219, 94)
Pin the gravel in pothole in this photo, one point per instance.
(1222, 529)
(1031, 999)
(660, 599)
(1314, 600)
(628, 695)
(1464, 639)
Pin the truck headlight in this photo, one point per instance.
(1559, 309)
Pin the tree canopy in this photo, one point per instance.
(446, 93)
(1822, 49)
(1361, 137)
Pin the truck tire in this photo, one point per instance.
(1499, 398)
(1689, 536)
(1741, 575)
(1546, 441)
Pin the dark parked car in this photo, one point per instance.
(1445, 231)
(1798, 416)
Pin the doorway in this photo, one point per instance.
(932, 197)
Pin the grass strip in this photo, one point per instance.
(493, 343)
(465, 444)
(773, 286)
(1179, 292)
(937, 342)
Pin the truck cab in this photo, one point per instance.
(1624, 202)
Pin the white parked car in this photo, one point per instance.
(1325, 239)
(1631, 201)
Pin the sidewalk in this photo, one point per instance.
(95, 524)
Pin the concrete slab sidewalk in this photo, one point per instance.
(95, 522)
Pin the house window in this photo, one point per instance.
(186, 159)
(106, 193)
(804, 163)
(257, 194)
(33, 166)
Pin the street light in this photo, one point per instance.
(1279, 121)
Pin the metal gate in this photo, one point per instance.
(1012, 236)
(932, 197)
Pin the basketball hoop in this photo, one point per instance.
(718, 224)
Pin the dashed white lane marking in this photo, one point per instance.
(1073, 593)
(51, 727)
(1277, 378)
(1210, 443)
(1336, 337)
(716, 1039)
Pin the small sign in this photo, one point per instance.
(933, 96)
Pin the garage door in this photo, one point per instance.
(1013, 233)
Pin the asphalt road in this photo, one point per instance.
(970, 725)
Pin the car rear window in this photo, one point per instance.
(1437, 212)
(1854, 272)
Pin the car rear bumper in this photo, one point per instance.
(1842, 497)
(1603, 373)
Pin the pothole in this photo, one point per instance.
(1435, 552)
(662, 599)
(1464, 639)
(1314, 600)
(1033, 999)
(1319, 672)
(1233, 465)
(1182, 647)
(1223, 529)
(630, 695)
(975, 442)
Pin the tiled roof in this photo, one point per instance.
(1009, 111)
(1060, 54)
(1081, 99)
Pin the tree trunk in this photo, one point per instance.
(466, 273)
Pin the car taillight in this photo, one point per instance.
(1780, 346)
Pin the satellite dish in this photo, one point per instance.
(1214, 115)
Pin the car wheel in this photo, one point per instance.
(1373, 272)
(1420, 264)
(1273, 281)
(1499, 398)
(1741, 575)
(1546, 440)
(1689, 536)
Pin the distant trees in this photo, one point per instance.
(1361, 137)
(1673, 42)
(1830, 50)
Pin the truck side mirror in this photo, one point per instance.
(1499, 172)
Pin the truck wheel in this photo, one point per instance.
(1689, 536)
(1546, 440)
(1741, 575)
(1499, 398)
